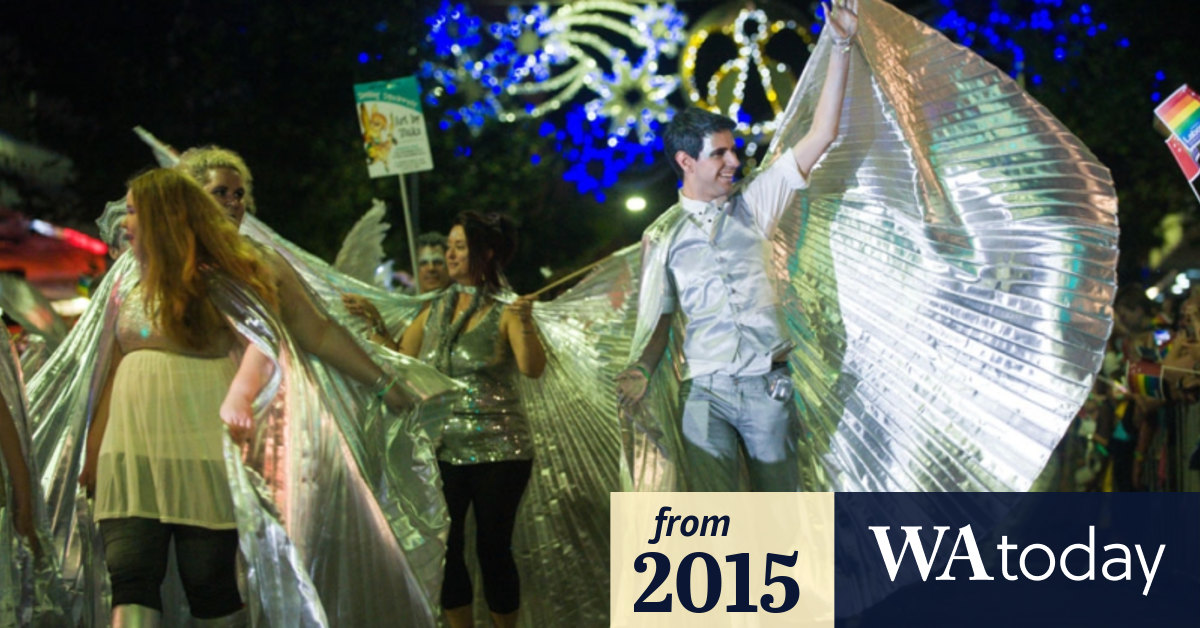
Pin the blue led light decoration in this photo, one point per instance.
(597, 159)
(539, 61)
(594, 61)
(992, 31)
(598, 72)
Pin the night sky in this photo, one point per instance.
(274, 80)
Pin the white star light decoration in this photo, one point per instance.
(539, 61)
(632, 98)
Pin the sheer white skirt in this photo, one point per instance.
(162, 457)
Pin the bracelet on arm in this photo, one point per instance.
(382, 385)
(843, 45)
(644, 371)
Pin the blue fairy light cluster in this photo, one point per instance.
(1158, 94)
(596, 159)
(1070, 24)
(610, 99)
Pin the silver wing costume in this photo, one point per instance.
(561, 538)
(333, 527)
(33, 312)
(31, 592)
(947, 278)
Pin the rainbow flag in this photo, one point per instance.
(1180, 112)
(1187, 163)
(1144, 378)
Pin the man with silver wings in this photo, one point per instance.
(703, 259)
(942, 283)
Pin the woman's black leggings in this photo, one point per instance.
(135, 549)
(495, 490)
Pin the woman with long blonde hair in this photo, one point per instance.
(155, 446)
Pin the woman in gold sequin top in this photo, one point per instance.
(486, 451)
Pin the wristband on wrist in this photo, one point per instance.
(843, 44)
(382, 385)
(645, 373)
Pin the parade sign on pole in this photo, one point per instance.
(393, 127)
(394, 136)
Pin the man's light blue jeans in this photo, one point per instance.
(720, 411)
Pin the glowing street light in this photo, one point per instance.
(635, 204)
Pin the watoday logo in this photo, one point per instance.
(1077, 561)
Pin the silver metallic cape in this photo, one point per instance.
(561, 538)
(329, 284)
(31, 592)
(562, 533)
(947, 278)
(339, 514)
(31, 310)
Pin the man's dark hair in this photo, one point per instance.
(431, 238)
(687, 130)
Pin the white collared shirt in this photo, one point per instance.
(716, 269)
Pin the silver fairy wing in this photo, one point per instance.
(329, 284)
(362, 248)
(561, 538)
(112, 227)
(31, 592)
(166, 156)
(32, 311)
(947, 277)
(339, 514)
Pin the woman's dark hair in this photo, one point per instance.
(492, 244)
